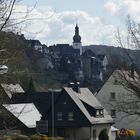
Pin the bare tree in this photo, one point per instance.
(6, 9)
(129, 77)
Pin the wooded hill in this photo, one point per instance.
(117, 56)
(22, 60)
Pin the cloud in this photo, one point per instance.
(51, 27)
(124, 7)
(111, 7)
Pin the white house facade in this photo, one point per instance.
(119, 102)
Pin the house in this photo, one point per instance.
(69, 55)
(64, 50)
(36, 45)
(9, 91)
(72, 113)
(65, 58)
(15, 118)
(94, 66)
(104, 61)
(121, 102)
(45, 49)
(91, 117)
(12, 90)
(18, 118)
(25, 113)
(86, 61)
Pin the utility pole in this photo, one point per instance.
(52, 94)
(52, 91)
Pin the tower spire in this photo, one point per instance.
(76, 37)
(77, 40)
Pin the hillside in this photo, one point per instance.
(116, 54)
(25, 64)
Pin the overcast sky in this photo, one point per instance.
(53, 21)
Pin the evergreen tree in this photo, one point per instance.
(103, 135)
(31, 88)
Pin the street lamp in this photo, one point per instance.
(53, 108)
(52, 97)
(52, 113)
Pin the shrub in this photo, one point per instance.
(103, 135)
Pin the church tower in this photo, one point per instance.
(77, 40)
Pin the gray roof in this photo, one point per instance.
(26, 113)
(86, 96)
(10, 89)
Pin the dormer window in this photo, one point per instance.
(99, 113)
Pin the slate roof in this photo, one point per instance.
(89, 53)
(86, 96)
(122, 77)
(64, 49)
(10, 89)
(101, 56)
(26, 113)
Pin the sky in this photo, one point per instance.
(53, 21)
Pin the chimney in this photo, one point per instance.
(76, 87)
(71, 84)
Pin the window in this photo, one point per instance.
(115, 81)
(59, 116)
(99, 113)
(70, 116)
(94, 133)
(112, 96)
(113, 113)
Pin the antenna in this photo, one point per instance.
(77, 21)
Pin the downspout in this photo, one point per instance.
(90, 133)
